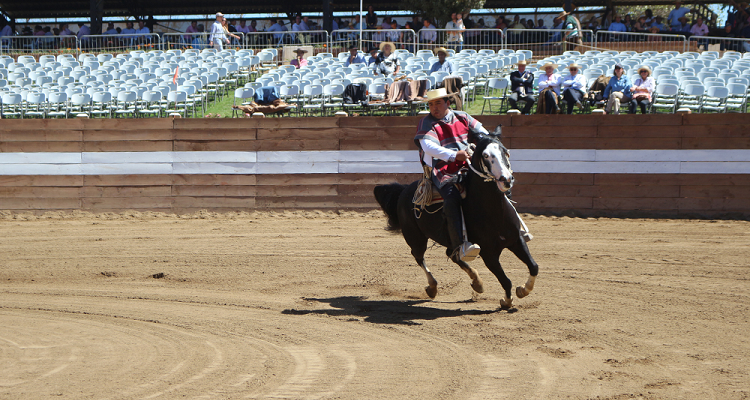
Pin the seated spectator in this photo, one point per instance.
(658, 24)
(549, 90)
(442, 65)
(655, 37)
(83, 30)
(386, 63)
(641, 25)
(300, 61)
(700, 29)
(192, 28)
(683, 28)
(354, 57)
(573, 87)
(618, 90)
(65, 30)
(642, 89)
(373, 56)
(540, 24)
(522, 88)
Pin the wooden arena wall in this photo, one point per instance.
(585, 165)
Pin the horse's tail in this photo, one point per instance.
(387, 196)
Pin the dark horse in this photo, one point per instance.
(490, 219)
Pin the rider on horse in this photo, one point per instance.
(443, 137)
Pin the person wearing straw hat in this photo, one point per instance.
(386, 63)
(218, 36)
(442, 65)
(443, 140)
(300, 61)
(642, 89)
(522, 88)
(617, 90)
(573, 87)
(549, 90)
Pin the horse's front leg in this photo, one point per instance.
(476, 281)
(492, 261)
(521, 250)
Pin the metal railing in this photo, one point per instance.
(199, 41)
(702, 43)
(320, 40)
(119, 43)
(476, 39)
(640, 41)
(18, 45)
(343, 38)
(549, 42)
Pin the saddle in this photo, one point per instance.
(437, 198)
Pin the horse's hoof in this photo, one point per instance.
(521, 292)
(431, 291)
(478, 286)
(506, 303)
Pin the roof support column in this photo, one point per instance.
(327, 16)
(97, 13)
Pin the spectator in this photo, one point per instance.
(218, 35)
(657, 24)
(65, 30)
(549, 89)
(129, 31)
(110, 29)
(700, 29)
(371, 18)
(618, 90)
(572, 28)
(642, 89)
(373, 56)
(394, 35)
(299, 26)
(354, 57)
(455, 35)
(192, 28)
(278, 38)
(143, 30)
(243, 28)
(386, 62)
(428, 34)
(655, 37)
(500, 23)
(522, 88)
(225, 26)
(378, 36)
(386, 22)
(7, 30)
(729, 44)
(649, 16)
(335, 24)
(673, 19)
(408, 37)
(442, 65)
(300, 61)
(357, 23)
(617, 25)
(516, 24)
(640, 25)
(573, 87)
(628, 21)
(416, 23)
(83, 30)
(540, 24)
(684, 26)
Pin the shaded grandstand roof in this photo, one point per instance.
(81, 8)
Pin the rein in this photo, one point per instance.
(485, 174)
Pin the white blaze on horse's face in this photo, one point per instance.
(499, 166)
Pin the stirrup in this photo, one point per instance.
(466, 252)
(527, 237)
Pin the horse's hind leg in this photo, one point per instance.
(476, 281)
(521, 250)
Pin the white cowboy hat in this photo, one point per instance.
(574, 65)
(393, 46)
(442, 50)
(549, 64)
(218, 14)
(436, 94)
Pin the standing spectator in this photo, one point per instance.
(394, 35)
(700, 29)
(416, 23)
(673, 19)
(408, 37)
(110, 29)
(649, 17)
(516, 24)
(278, 38)
(354, 57)
(386, 22)
(244, 30)
(143, 30)
(455, 35)
(522, 88)
(549, 89)
(573, 87)
(300, 61)
(428, 34)
(225, 25)
(8, 31)
(218, 36)
(500, 23)
(618, 90)
(371, 18)
(628, 21)
(442, 65)
(617, 25)
(83, 30)
(540, 24)
(192, 28)
(65, 30)
(299, 26)
(127, 33)
(642, 89)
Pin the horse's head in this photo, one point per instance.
(492, 159)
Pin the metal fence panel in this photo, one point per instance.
(632, 41)
(319, 40)
(703, 43)
(18, 45)
(549, 42)
(119, 43)
(476, 39)
(343, 38)
(198, 41)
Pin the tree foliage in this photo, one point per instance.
(439, 11)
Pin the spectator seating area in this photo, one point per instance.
(701, 82)
(161, 83)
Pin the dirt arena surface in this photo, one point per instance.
(312, 305)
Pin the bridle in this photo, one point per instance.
(484, 173)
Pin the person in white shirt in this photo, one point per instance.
(642, 90)
(552, 81)
(455, 35)
(218, 37)
(573, 87)
(300, 26)
(428, 33)
(277, 26)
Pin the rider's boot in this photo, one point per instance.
(459, 249)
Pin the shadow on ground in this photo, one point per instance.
(405, 312)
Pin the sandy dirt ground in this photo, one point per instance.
(312, 305)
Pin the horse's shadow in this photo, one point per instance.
(403, 312)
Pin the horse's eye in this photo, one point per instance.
(485, 155)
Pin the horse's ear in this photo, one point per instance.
(498, 133)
